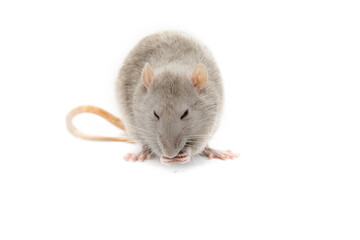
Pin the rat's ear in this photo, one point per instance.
(147, 75)
(199, 76)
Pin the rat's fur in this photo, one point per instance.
(173, 56)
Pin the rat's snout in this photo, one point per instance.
(172, 146)
(170, 153)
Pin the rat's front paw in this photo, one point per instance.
(178, 159)
(223, 155)
(182, 157)
(141, 156)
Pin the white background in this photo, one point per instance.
(291, 72)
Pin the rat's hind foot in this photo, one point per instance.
(141, 156)
(223, 155)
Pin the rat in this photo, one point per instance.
(170, 95)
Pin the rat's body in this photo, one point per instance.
(170, 95)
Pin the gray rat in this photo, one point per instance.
(170, 96)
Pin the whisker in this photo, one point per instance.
(200, 135)
(145, 138)
(144, 130)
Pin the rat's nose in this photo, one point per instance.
(170, 149)
(170, 153)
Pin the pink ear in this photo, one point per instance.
(199, 76)
(147, 75)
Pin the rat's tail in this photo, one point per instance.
(102, 113)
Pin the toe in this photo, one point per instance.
(127, 157)
(167, 162)
(222, 156)
(134, 157)
(142, 157)
(229, 154)
(232, 155)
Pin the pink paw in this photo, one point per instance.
(223, 155)
(141, 156)
(182, 160)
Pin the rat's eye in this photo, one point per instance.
(156, 115)
(185, 114)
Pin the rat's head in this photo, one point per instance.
(173, 116)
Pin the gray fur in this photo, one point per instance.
(173, 57)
